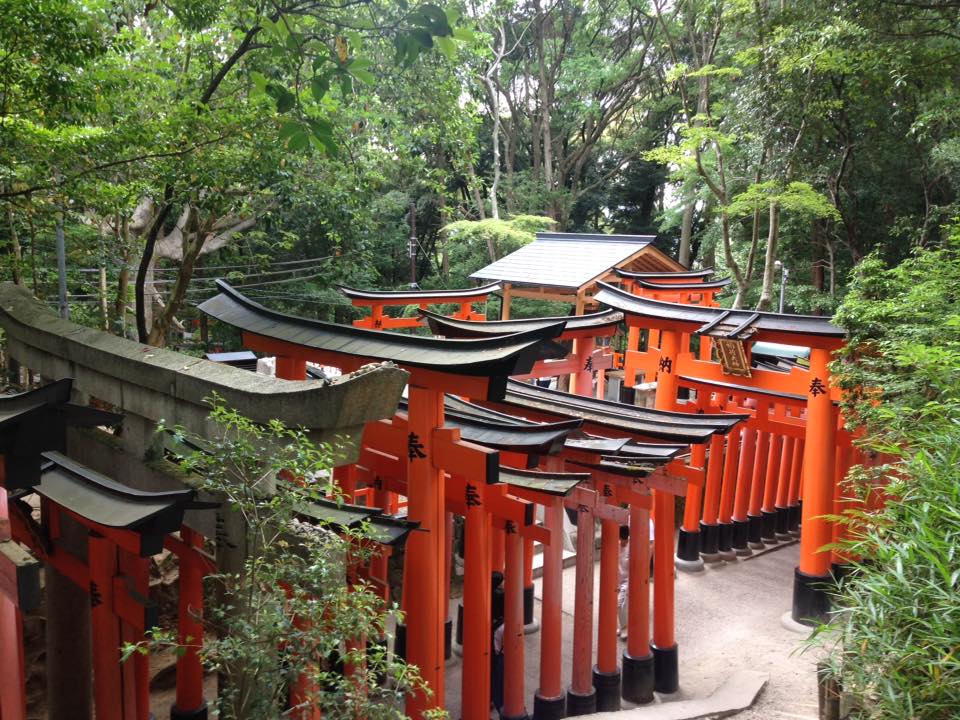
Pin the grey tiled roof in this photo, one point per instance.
(564, 260)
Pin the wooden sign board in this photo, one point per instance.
(733, 357)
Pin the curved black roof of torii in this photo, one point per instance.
(503, 434)
(106, 502)
(705, 273)
(493, 357)
(34, 422)
(576, 440)
(705, 285)
(454, 328)
(732, 324)
(549, 483)
(676, 427)
(418, 296)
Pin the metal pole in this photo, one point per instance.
(783, 285)
(412, 245)
(62, 267)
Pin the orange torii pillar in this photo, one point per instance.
(581, 695)
(425, 550)
(709, 528)
(514, 707)
(581, 382)
(13, 696)
(688, 541)
(768, 512)
(811, 601)
(606, 673)
(731, 464)
(665, 653)
(793, 494)
(549, 702)
(781, 511)
(638, 663)
(741, 503)
(475, 694)
(759, 476)
(189, 703)
(530, 624)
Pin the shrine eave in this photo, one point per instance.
(103, 501)
(420, 296)
(691, 286)
(549, 483)
(492, 358)
(676, 426)
(717, 322)
(594, 324)
(705, 273)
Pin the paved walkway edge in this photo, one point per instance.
(737, 693)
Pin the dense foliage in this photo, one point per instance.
(295, 145)
(899, 624)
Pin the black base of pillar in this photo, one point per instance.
(688, 545)
(796, 512)
(607, 686)
(515, 717)
(709, 539)
(724, 537)
(553, 708)
(578, 704)
(783, 522)
(199, 714)
(459, 623)
(741, 533)
(839, 571)
(448, 639)
(637, 683)
(768, 526)
(666, 669)
(755, 529)
(400, 642)
(811, 601)
(528, 605)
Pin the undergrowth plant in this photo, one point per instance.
(288, 615)
(896, 640)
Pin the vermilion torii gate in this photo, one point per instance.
(478, 369)
(642, 661)
(589, 359)
(30, 423)
(377, 300)
(740, 328)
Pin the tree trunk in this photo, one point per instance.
(766, 293)
(146, 264)
(545, 100)
(123, 280)
(817, 259)
(104, 311)
(686, 234)
(16, 253)
(192, 247)
(477, 196)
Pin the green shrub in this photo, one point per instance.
(896, 641)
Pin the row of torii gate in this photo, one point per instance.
(474, 440)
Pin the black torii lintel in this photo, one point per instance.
(418, 296)
(678, 427)
(494, 358)
(717, 321)
(36, 421)
(97, 498)
(686, 274)
(454, 328)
